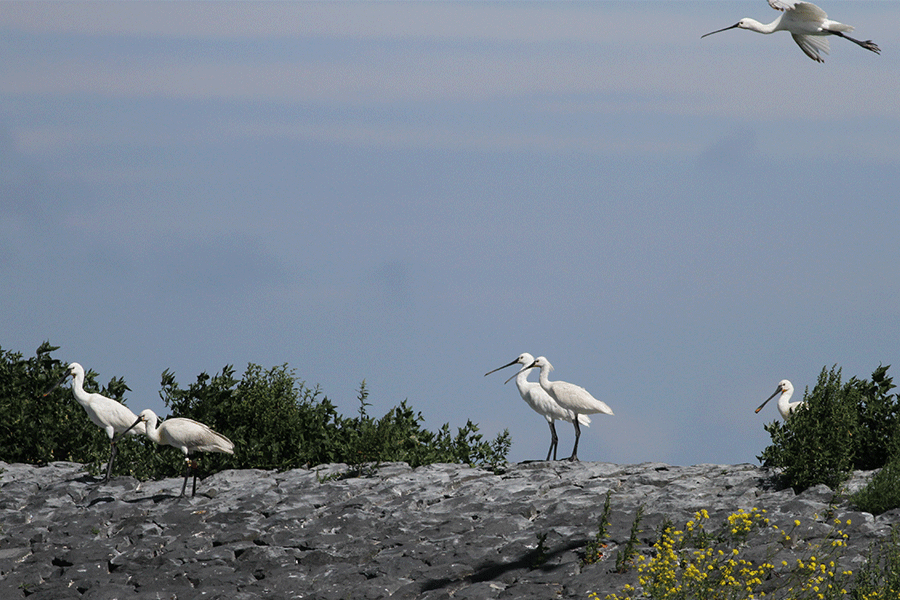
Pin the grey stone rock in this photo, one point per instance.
(439, 531)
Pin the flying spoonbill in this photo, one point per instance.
(540, 401)
(187, 435)
(571, 397)
(111, 416)
(808, 25)
(784, 407)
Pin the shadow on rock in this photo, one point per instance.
(538, 559)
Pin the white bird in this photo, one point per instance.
(808, 25)
(571, 397)
(188, 436)
(785, 407)
(111, 416)
(540, 401)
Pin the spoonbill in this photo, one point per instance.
(808, 25)
(785, 407)
(187, 435)
(107, 414)
(540, 401)
(569, 396)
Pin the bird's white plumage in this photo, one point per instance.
(813, 46)
(187, 435)
(570, 396)
(535, 396)
(807, 24)
(112, 417)
(539, 400)
(785, 406)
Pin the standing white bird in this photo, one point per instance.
(571, 397)
(188, 436)
(785, 407)
(540, 401)
(808, 25)
(111, 416)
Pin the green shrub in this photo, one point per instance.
(398, 437)
(274, 420)
(879, 577)
(277, 422)
(882, 493)
(39, 429)
(842, 427)
(873, 439)
(815, 444)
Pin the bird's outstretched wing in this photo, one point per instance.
(805, 11)
(781, 4)
(812, 45)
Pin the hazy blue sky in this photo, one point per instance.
(415, 193)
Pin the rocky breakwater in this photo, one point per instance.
(437, 531)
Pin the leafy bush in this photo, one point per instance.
(882, 493)
(815, 444)
(874, 439)
(277, 422)
(398, 437)
(879, 576)
(39, 429)
(274, 420)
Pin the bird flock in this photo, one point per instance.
(563, 401)
(117, 420)
(810, 28)
(553, 400)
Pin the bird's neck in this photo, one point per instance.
(784, 401)
(152, 431)
(754, 25)
(545, 378)
(522, 378)
(78, 389)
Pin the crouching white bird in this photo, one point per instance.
(808, 25)
(571, 397)
(107, 414)
(785, 407)
(188, 436)
(540, 401)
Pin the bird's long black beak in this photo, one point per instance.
(503, 367)
(133, 425)
(770, 397)
(57, 384)
(519, 371)
(719, 30)
(513, 376)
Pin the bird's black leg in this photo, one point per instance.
(194, 468)
(554, 440)
(868, 44)
(187, 473)
(112, 456)
(574, 456)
